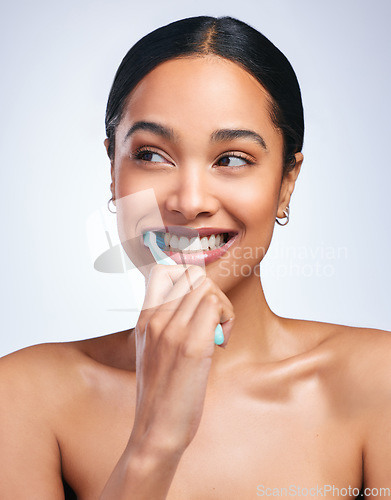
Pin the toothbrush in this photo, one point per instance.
(157, 253)
(150, 241)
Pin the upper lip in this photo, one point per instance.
(192, 232)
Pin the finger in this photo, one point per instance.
(165, 289)
(186, 310)
(202, 286)
(201, 328)
(191, 278)
(162, 313)
(162, 282)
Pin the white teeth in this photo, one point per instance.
(204, 243)
(183, 243)
(174, 241)
(195, 244)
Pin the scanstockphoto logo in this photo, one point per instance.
(320, 261)
(325, 490)
(290, 261)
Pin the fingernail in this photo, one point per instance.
(219, 335)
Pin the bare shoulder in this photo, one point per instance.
(346, 341)
(43, 389)
(363, 385)
(31, 387)
(357, 361)
(29, 373)
(358, 381)
(38, 371)
(364, 350)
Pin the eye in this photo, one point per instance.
(233, 160)
(148, 155)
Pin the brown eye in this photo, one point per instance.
(146, 156)
(149, 156)
(232, 161)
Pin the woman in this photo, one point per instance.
(206, 114)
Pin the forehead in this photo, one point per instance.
(200, 94)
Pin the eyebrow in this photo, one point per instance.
(217, 136)
(230, 134)
(155, 128)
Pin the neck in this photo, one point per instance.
(255, 333)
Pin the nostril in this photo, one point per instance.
(191, 202)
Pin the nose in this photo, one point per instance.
(190, 195)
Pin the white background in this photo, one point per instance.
(58, 59)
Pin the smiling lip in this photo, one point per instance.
(203, 257)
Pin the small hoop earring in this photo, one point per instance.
(108, 206)
(286, 213)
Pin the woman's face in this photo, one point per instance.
(198, 132)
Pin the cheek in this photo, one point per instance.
(255, 207)
(255, 202)
(129, 180)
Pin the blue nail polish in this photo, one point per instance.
(219, 335)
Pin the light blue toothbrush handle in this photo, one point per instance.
(219, 335)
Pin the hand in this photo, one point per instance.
(174, 349)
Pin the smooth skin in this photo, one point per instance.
(284, 403)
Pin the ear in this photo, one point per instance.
(288, 185)
(112, 185)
